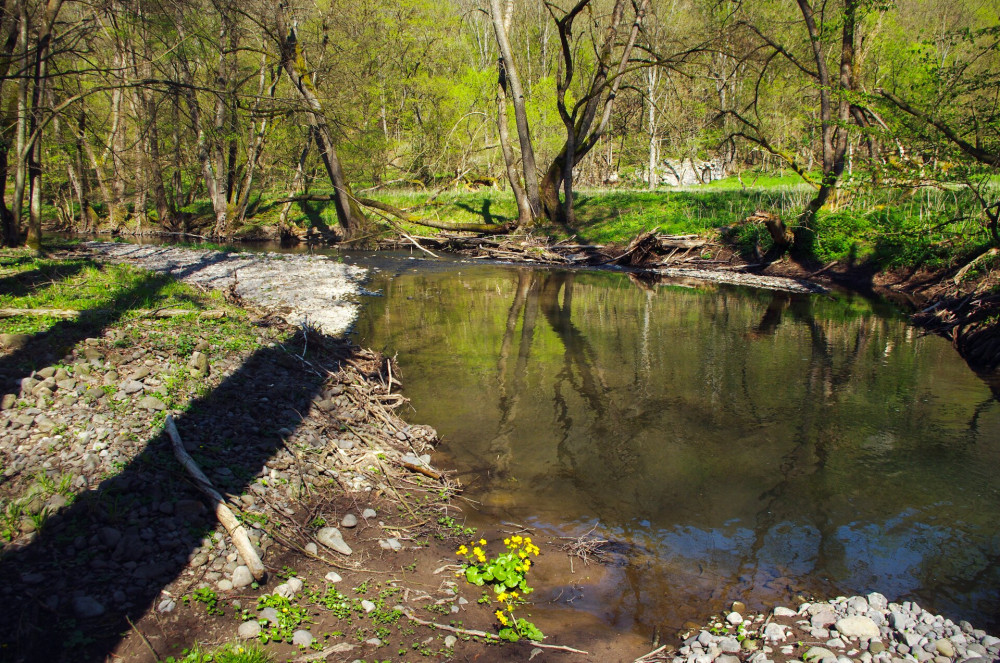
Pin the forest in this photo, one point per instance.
(268, 117)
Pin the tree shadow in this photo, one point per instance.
(23, 284)
(484, 212)
(104, 556)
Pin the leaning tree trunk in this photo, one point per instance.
(352, 220)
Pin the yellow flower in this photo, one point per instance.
(502, 596)
(522, 554)
(482, 542)
(501, 617)
(506, 542)
(462, 550)
(514, 594)
(516, 539)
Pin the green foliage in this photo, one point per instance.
(230, 653)
(507, 575)
(289, 617)
(209, 598)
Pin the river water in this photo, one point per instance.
(732, 443)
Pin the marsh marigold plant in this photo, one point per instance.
(507, 575)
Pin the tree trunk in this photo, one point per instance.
(525, 216)
(528, 165)
(352, 220)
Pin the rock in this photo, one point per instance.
(14, 341)
(8, 401)
(819, 654)
(302, 638)
(367, 605)
(242, 577)
(823, 619)
(166, 605)
(130, 387)
(727, 658)
(876, 647)
(151, 403)
(945, 647)
(390, 544)
(857, 627)
(225, 585)
(349, 520)
(86, 607)
(269, 615)
(198, 560)
(332, 576)
(450, 641)
(249, 630)
(782, 611)
(368, 514)
(295, 585)
(284, 591)
(774, 633)
(373, 642)
(311, 548)
(198, 363)
(332, 539)
(734, 618)
(109, 536)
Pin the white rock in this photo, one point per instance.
(332, 539)
(367, 605)
(450, 641)
(819, 654)
(333, 576)
(368, 513)
(349, 520)
(302, 638)
(284, 591)
(734, 618)
(782, 611)
(166, 605)
(774, 633)
(858, 627)
(225, 585)
(295, 585)
(312, 548)
(242, 577)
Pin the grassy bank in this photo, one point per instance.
(890, 227)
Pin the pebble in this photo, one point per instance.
(87, 607)
(450, 641)
(368, 514)
(367, 605)
(302, 638)
(349, 520)
(333, 576)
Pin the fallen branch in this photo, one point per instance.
(483, 634)
(70, 314)
(422, 470)
(222, 512)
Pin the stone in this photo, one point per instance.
(151, 403)
(876, 647)
(349, 520)
(302, 638)
(857, 627)
(225, 585)
(823, 619)
(269, 615)
(295, 584)
(368, 514)
(8, 401)
(198, 363)
(14, 341)
(727, 658)
(450, 641)
(130, 387)
(782, 611)
(242, 577)
(818, 654)
(311, 548)
(373, 642)
(332, 576)
(332, 539)
(86, 607)
(166, 605)
(367, 605)
(390, 544)
(249, 630)
(945, 647)
(774, 633)
(734, 618)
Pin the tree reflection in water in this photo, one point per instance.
(740, 443)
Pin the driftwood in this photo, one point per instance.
(422, 469)
(483, 634)
(222, 512)
(70, 314)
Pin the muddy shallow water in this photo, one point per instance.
(734, 443)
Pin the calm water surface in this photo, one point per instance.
(737, 443)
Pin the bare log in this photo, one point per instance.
(483, 634)
(222, 512)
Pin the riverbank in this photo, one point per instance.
(278, 416)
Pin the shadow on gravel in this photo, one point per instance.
(102, 562)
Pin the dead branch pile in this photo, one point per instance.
(588, 546)
(648, 249)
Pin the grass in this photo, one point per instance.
(230, 653)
